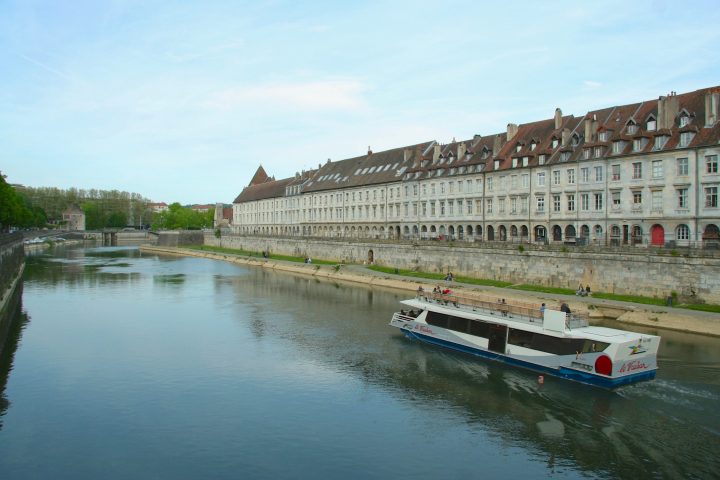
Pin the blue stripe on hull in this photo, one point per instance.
(562, 372)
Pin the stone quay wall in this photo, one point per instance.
(12, 263)
(644, 272)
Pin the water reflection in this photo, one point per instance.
(335, 337)
(12, 325)
(666, 428)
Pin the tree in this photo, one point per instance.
(12, 208)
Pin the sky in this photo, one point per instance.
(181, 101)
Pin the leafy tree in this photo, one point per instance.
(13, 211)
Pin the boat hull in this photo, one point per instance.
(559, 372)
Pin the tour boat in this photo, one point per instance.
(550, 342)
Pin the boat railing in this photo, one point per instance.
(519, 311)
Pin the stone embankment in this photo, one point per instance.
(647, 315)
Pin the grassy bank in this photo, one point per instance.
(438, 276)
(248, 253)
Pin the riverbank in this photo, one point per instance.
(629, 313)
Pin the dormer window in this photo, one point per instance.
(518, 147)
(485, 153)
(575, 141)
(555, 142)
(586, 153)
(525, 161)
(533, 145)
(618, 146)
(684, 120)
(496, 165)
(514, 163)
(651, 124)
(598, 152)
(565, 156)
(686, 138)
(632, 128)
(604, 136)
(639, 144)
(541, 159)
(660, 141)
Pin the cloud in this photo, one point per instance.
(320, 95)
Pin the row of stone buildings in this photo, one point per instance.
(638, 174)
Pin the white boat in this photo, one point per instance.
(551, 342)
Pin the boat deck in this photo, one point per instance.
(527, 313)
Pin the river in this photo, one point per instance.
(125, 365)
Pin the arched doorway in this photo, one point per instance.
(540, 234)
(657, 235)
(513, 231)
(461, 232)
(524, 232)
(502, 231)
(371, 256)
(451, 232)
(490, 233)
(570, 231)
(711, 236)
(636, 235)
(557, 233)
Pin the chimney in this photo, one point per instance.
(565, 136)
(436, 152)
(668, 108)
(328, 161)
(558, 118)
(711, 108)
(461, 150)
(497, 145)
(588, 129)
(512, 129)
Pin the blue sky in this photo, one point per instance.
(181, 101)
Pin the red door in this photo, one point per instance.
(657, 235)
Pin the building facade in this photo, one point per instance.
(644, 174)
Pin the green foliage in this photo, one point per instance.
(521, 249)
(16, 210)
(247, 253)
(177, 217)
(543, 289)
(438, 276)
(218, 233)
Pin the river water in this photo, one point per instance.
(133, 366)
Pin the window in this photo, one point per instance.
(541, 204)
(554, 143)
(489, 184)
(632, 129)
(571, 202)
(615, 173)
(598, 201)
(442, 209)
(637, 170)
(597, 152)
(489, 203)
(525, 161)
(514, 163)
(604, 136)
(637, 198)
(585, 201)
(525, 180)
(618, 146)
(451, 208)
(585, 175)
(711, 163)
(424, 209)
(682, 196)
(682, 166)
(496, 164)
(556, 177)
(541, 160)
(451, 187)
(460, 186)
(586, 153)
(638, 144)
(565, 156)
(657, 200)
(598, 173)
(686, 138)
(711, 197)
(616, 199)
(684, 120)
(442, 188)
(660, 142)
(657, 169)
(513, 182)
(541, 179)
(683, 232)
(651, 124)
(432, 209)
(571, 176)
(501, 205)
(513, 205)
(556, 203)
(469, 207)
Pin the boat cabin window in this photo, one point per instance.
(458, 324)
(554, 345)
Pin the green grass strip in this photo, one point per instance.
(630, 298)
(438, 276)
(543, 289)
(703, 307)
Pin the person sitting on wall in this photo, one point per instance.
(580, 291)
(587, 291)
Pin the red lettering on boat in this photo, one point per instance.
(633, 365)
